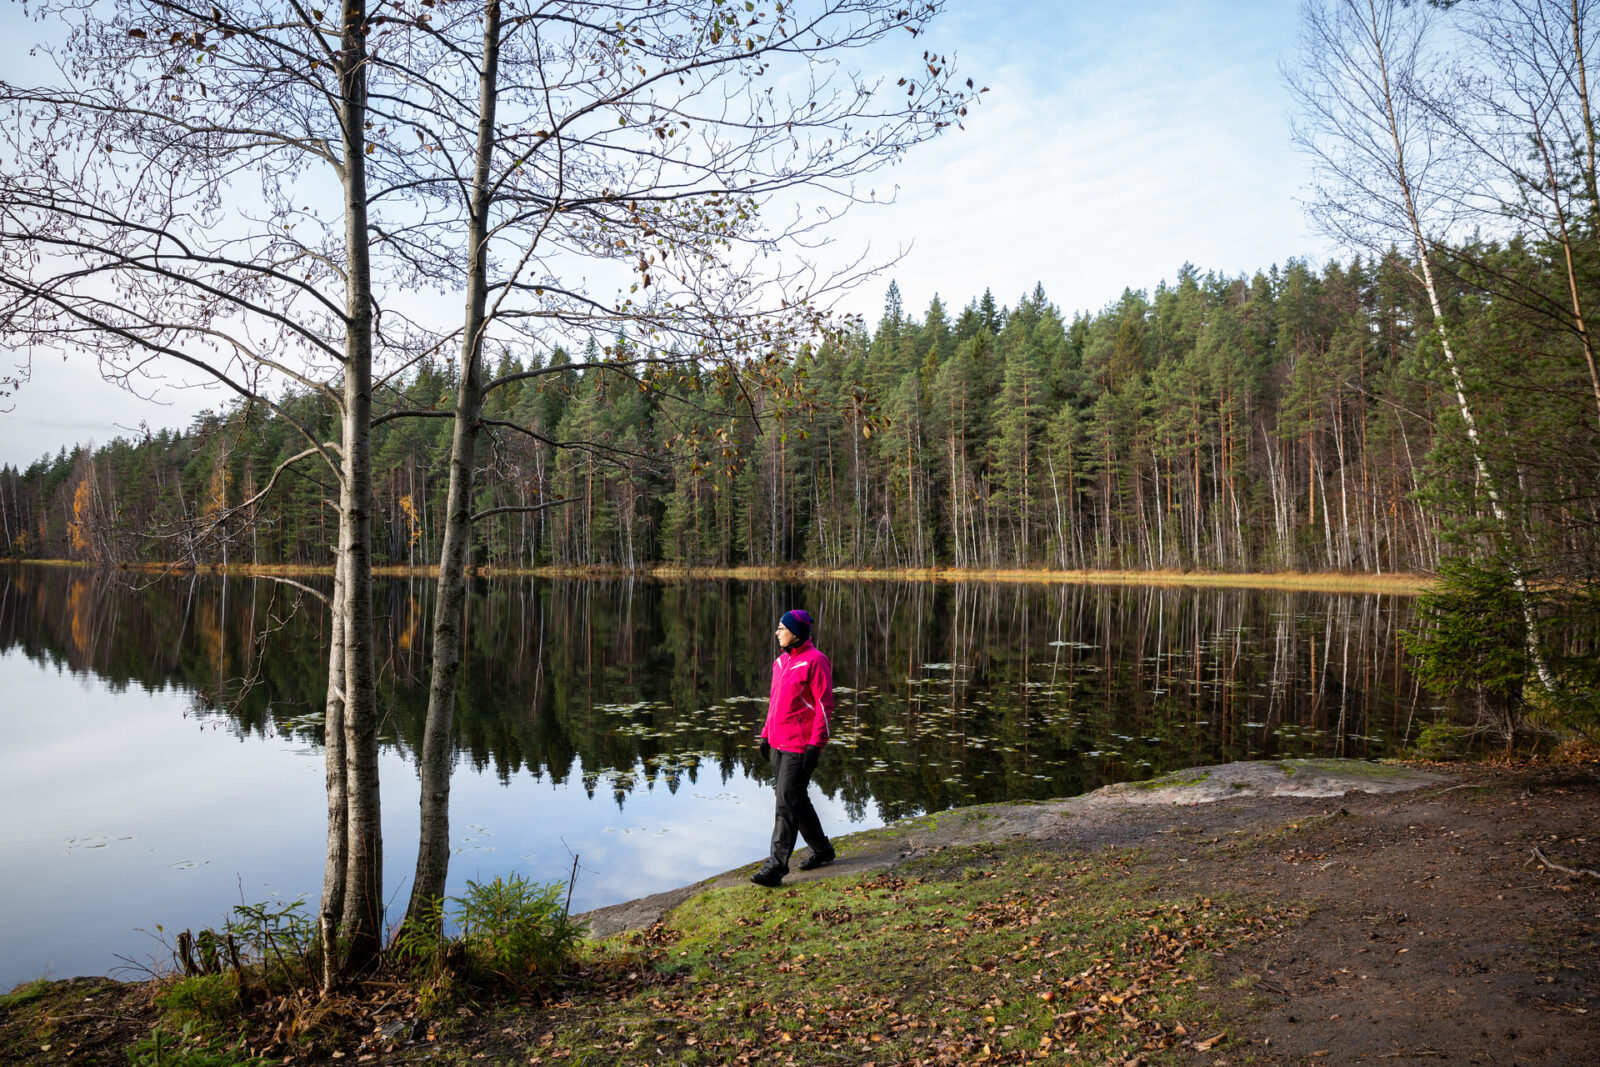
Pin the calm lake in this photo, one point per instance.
(163, 757)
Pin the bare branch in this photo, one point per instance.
(523, 509)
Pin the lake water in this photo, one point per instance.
(163, 757)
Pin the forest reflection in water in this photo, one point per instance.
(948, 693)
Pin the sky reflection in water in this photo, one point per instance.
(125, 811)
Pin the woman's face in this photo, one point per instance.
(785, 637)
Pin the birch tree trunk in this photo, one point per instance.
(433, 843)
(333, 871)
(361, 923)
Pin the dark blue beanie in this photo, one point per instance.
(797, 622)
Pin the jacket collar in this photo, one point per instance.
(795, 650)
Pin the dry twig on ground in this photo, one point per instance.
(1570, 872)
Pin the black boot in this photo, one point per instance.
(818, 857)
(770, 875)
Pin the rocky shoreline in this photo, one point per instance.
(1091, 818)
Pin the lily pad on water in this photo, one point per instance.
(79, 844)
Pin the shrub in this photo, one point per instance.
(283, 940)
(1443, 740)
(515, 929)
(1472, 636)
(422, 943)
(510, 930)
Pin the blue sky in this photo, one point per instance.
(1117, 142)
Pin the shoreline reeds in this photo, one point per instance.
(1398, 584)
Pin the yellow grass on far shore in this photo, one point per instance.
(1303, 581)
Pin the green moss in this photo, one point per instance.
(1348, 767)
(1173, 781)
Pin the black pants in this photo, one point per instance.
(794, 814)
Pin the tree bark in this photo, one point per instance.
(433, 844)
(333, 871)
(361, 923)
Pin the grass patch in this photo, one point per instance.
(189, 1046)
(72, 1022)
(972, 953)
(202, 999)
(24, 993)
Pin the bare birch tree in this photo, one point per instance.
(1389, 172)
(193, 194)
(643, 143)
(213, 175)
(1520, 107)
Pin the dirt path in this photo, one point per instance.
(1433, 934)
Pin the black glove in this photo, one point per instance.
(808, 760)
(766, 750)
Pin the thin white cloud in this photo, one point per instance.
(1113, 147)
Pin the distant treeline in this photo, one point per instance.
(1293, 419)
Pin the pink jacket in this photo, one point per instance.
(802, 699)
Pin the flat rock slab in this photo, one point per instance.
(1266, 778)
(1115, 815)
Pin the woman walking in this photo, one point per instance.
(798, 710)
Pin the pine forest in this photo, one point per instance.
(1293, 420)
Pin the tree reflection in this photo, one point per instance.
(949, 693)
